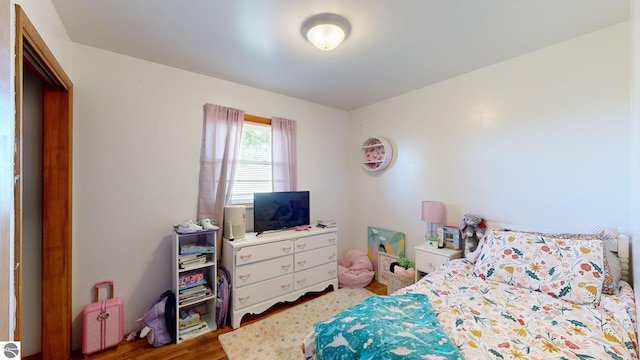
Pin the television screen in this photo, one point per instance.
(280, 210)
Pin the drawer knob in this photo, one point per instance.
(301, 246)
(301, 281)
(331, 272)
(244, 277)
(286, 267)
(285, 286)
(301, 263)
(333, 256)
(244, 298)
(332, 240)
(245, 257)
(286, 249)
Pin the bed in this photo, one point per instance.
(528, 295)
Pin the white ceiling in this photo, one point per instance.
(394, 46)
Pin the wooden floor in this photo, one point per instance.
(203, 347)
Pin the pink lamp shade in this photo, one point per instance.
(433, 212)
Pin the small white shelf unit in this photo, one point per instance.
(204, 304)
(376, 154)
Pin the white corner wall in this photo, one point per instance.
(138, 128)
(542, 139)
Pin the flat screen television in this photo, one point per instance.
(280, 210)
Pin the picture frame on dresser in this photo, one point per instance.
(279, 266)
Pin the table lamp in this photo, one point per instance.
(432, 212)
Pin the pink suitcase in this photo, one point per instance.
(102, 322)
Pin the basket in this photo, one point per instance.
(397, 282)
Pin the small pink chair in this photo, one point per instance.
(355, 270)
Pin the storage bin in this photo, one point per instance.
(397, 282)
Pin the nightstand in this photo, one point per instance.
(428, 258)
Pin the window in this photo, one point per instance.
(253, 171)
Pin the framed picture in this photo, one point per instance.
(384, 262)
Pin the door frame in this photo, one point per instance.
(57, 128)
(6, 173)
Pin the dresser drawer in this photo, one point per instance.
(253, 294)
(309, 259)
(315, 275)
(263, 270)
(316, 241)
(255, 253)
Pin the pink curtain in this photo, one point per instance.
(221, 135)
(283, 154)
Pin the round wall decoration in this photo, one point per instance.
(376, 154)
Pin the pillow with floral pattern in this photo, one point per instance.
(609, 282)
(568, 269)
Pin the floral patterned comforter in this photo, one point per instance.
(493, 320)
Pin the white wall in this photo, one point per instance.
(542, 139)
(138, 127)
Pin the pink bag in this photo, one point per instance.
(102, 322)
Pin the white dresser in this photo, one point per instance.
(277, 267)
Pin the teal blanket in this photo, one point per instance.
(385, 327)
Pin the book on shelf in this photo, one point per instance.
(194, 289)
(187, 257)
(184, 266)
(188, 317)
(191, 298)
(201, 325)
(197, 248)
(194, 298)
(191, 278)
(185, 261)
(189, 286)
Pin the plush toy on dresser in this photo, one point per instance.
(472, 229)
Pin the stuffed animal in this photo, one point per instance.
(472, 229)
(405, 263)
(403, 267)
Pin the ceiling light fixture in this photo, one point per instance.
(325, 31)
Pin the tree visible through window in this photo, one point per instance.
(253, 172)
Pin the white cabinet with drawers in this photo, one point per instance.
(279, 266)
(429, 258)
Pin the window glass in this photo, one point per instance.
(253, 172)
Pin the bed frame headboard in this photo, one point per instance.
(621, 245)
